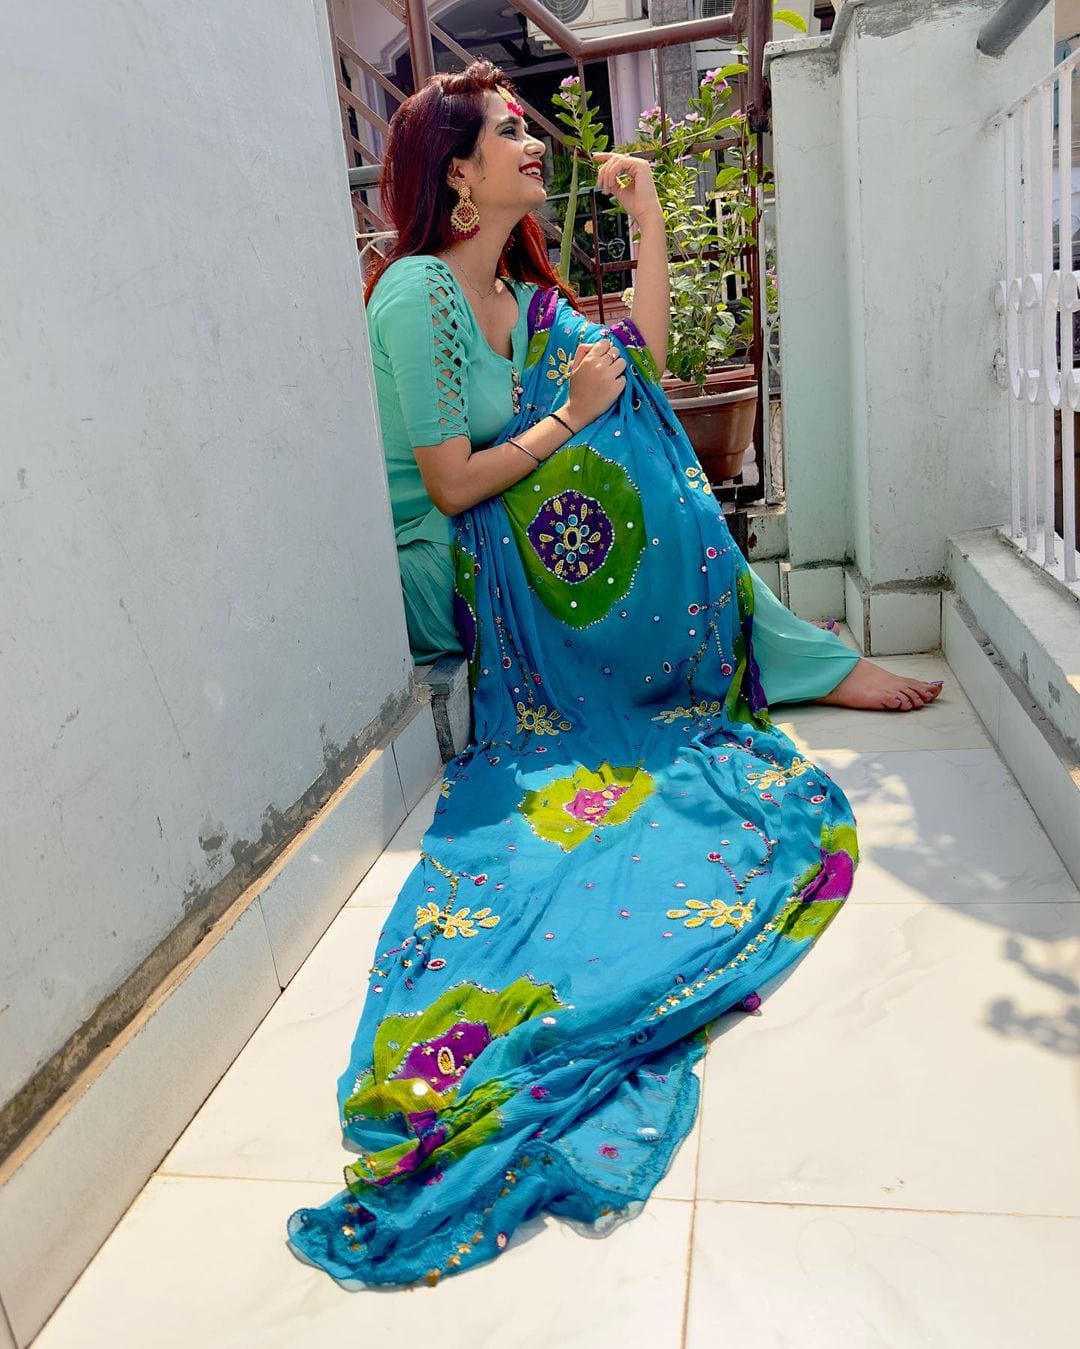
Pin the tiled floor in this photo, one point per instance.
(887, 1155)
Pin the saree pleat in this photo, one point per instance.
(627, 850)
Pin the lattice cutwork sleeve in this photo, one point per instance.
(422, 327)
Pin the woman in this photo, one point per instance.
(464, 296)
(628, 849)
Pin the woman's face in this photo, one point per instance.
(504, 171)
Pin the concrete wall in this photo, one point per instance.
(200, 600)
(890, 233)
(813, 281)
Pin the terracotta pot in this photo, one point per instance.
(718, 421)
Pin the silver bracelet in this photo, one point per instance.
(518, 445)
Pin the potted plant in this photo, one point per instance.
(714, 393)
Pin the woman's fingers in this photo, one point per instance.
(579, 356)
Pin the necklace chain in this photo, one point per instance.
(484, 294)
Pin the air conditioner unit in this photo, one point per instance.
(715, 9)
(592, 17)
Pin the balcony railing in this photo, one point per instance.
(1040, 301)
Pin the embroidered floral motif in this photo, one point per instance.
(560, 366)
(716, 913)
(412, 1077)
(697, 478)
(568, 811)
(539, 721)
(778, 776)
(592, 807)
(572, 535)
(581, 541)
(702, 709)
(463, 923)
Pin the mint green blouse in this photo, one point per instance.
(436, 377)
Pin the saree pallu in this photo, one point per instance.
(626, 850)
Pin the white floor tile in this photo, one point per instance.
(383, 882)
(274, 1115)
(60, 1204)
(923, 1058)
(950, 722)
(920, 1057)
(779, 1277)
(950, 826)
(204, 1263)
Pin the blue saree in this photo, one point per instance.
(626, 850)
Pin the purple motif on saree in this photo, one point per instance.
(834, 880)
(572, 536)
(442, 1061)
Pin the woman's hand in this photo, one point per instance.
(597, 378)
(629, 180)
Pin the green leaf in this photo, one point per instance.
(789, 17)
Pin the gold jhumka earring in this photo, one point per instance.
(464, 218)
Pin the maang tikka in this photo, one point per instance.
(464, 218)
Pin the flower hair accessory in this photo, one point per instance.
(511, 102)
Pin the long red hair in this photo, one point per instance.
(440, 122)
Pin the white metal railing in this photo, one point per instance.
(1040, 300)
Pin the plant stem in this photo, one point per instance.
(568, 222)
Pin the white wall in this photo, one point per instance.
(817, 401)
(897, 102)
(199, 590)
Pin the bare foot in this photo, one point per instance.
(829, 624)
(870, 688)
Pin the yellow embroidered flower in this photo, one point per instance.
(698, 478)
(539, 721)
(674, 714)
(716, 913)
(776, 777)
(560, 369)
(448, 924)
(427, 913)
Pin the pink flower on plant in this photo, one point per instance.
(571, 82)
